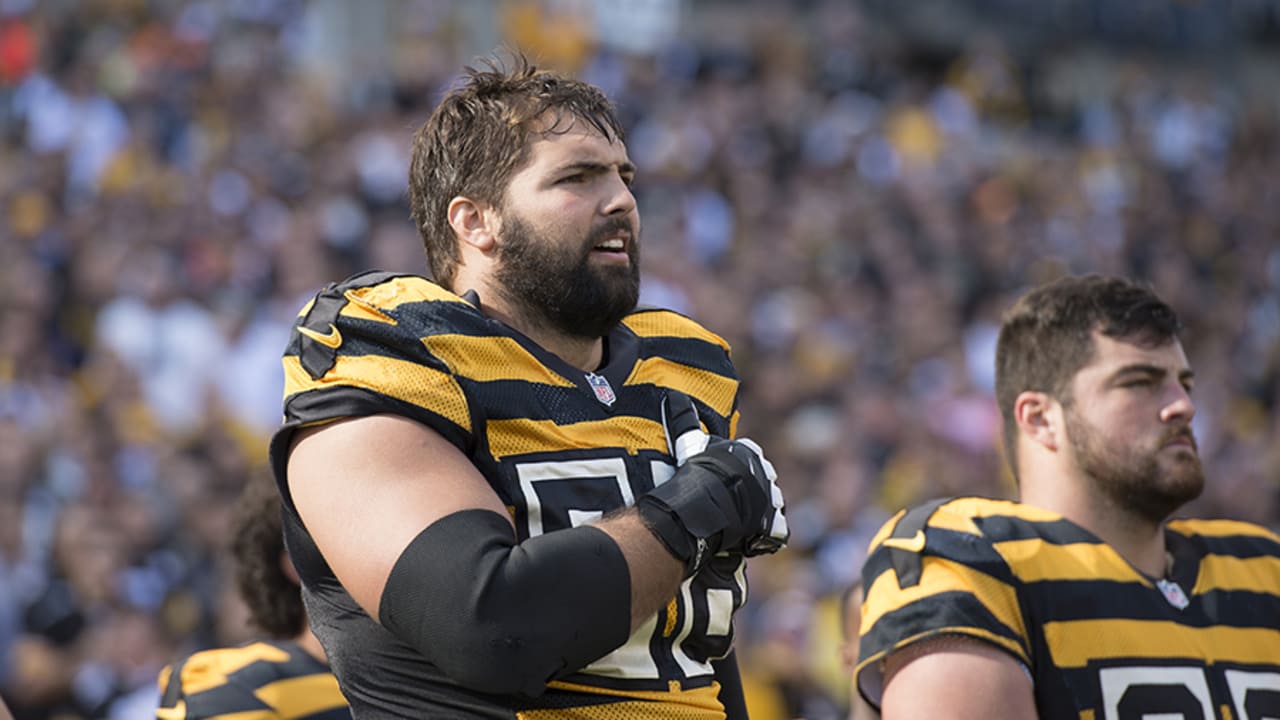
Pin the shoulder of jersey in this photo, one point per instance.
(211, 668)
(380, 297)
(961, 515)
(647, 322)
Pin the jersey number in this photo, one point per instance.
(567, 493)
(1182, 693)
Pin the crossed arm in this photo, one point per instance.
(366, 488)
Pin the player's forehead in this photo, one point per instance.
(1115, 354)
(570, 139)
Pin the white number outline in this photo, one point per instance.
(634, 658)
(1115, 681)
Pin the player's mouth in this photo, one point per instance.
(612, 242)
(611, 246)
(1182, 440)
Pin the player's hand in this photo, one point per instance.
(723, 497)
(686, 438)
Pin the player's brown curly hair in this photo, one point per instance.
(257, 549)
(478, 136)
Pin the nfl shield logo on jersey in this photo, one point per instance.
(1173, 594)
(604, 391)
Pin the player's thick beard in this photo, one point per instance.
(1132, 478)
(556, 286)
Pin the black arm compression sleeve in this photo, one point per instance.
(503, 618)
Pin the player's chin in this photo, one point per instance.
(1184, 476)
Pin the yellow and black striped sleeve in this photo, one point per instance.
(365, 346)
(258, 681)
(931, 572)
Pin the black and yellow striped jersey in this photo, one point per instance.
(269, 680)
(1100, 640)
(559, 446)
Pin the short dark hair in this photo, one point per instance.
(478, 136)
(257, 548)
(1047, 336)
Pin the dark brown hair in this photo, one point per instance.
(257, 548)
(1047, 336)
(478, 136)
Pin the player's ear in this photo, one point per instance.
(473, 222)
(1037, 416)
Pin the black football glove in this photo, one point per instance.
(723, 497)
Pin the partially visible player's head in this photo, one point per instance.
(480, 135)
(263, 573)
(1106, 349)
(850, 626)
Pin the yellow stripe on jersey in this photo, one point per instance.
(520, 436)
(371, 302)
(177, 712)
(943, 518)
(357, 308)
(302, 696)
(977, 507)
(669, 324)
(1223, 572)
(411, 382)
(1075, 643)
(697, 704)
(711, 388)
(491, 358)
(1222, 528)
(399, 291)
(208, 670)
(1033, 559)
(940, 575)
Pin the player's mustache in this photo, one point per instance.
(610, 228)
(1179, 433)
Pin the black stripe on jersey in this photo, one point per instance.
(938, 613)
(439, 317)
(716, 423)
(974, 551)
(1237, 546)
(906, 563)
(173, 692)
(694, 352)
(367, 338)
(1001, 528)
(519, 400)
(228, 698)
(316, 357)
(346, 401)
(1070, 600)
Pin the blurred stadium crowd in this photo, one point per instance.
(849, 195)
